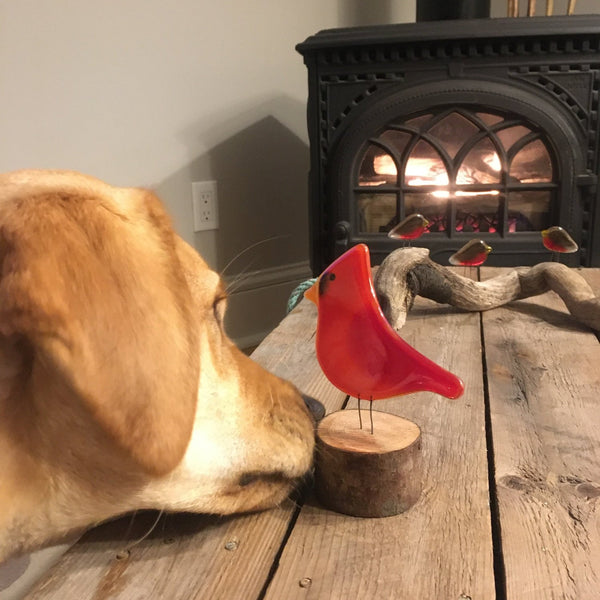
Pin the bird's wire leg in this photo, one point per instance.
(359, 415)
(371, 412)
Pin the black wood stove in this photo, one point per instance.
(487, 127)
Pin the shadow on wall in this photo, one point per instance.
(263, 193)
(261, 173)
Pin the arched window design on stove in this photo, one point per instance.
(466, 171)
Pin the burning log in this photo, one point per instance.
(409, 272)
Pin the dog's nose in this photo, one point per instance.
(317, 410)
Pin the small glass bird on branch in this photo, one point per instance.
(410, 228)
(472, 254)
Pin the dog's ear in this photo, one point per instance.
(93, 282)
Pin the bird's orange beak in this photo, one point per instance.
(312, 293)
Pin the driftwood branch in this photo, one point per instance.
(409, 272)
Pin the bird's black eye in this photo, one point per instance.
(324, 282)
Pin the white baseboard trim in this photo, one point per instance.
(253, 280)
(262, 294)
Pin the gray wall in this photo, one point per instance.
(155, 93)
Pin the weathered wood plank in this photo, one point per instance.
(441, 547)
(544, 381)
(186, 556)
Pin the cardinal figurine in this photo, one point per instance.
(358, 350)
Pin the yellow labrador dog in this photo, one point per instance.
(119, 389)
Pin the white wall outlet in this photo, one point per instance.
(204, 204)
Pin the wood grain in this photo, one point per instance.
(191, 557)
(441, 547)
(544, 383)
(342, 430)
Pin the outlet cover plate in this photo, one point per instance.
(204, 205)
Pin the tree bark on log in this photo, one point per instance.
(366, 474)
(409, 272)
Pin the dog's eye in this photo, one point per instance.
(252, 477)
(248, 478)
(219, 306)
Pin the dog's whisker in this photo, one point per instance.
(128, 548)
(130, 526)
(239, 279)
(248, 248)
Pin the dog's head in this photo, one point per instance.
(119, 388)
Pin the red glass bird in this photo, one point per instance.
(557, 239)
(473, 254)
(410, 228)
(358, 350)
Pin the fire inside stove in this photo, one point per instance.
(465, 171)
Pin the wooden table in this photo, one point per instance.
(511, 500)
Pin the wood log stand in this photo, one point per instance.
(366, 474)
